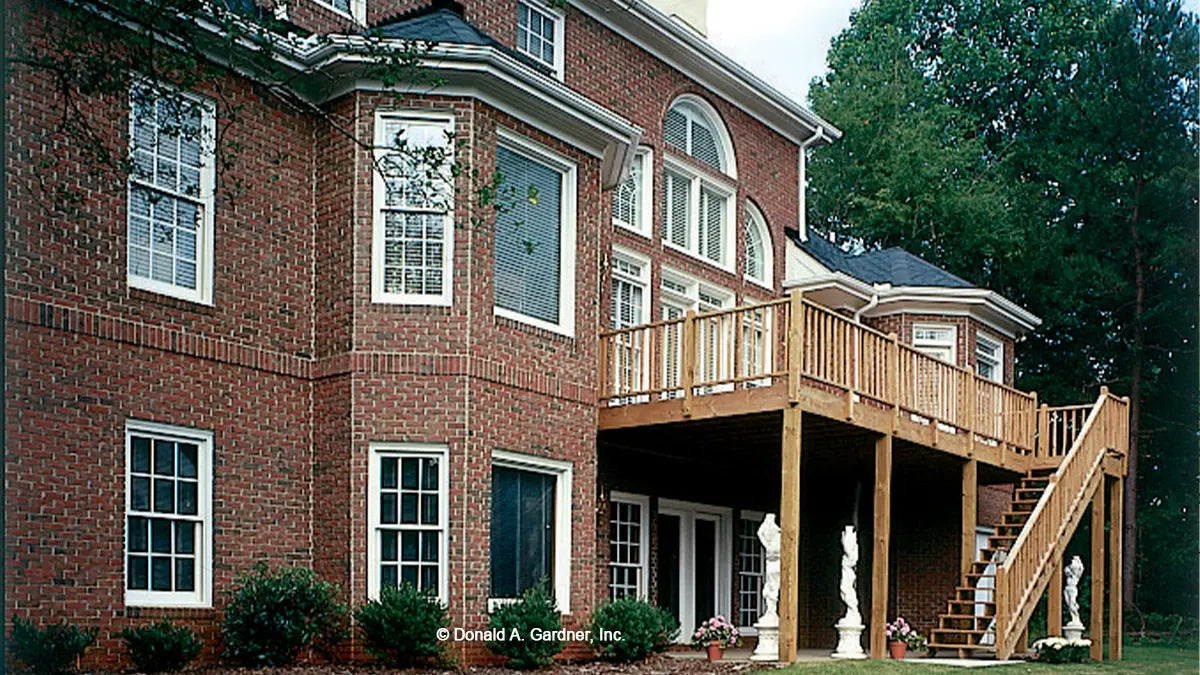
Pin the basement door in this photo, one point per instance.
(695, 562)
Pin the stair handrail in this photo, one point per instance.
(1078, 468)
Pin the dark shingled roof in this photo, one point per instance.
(442, 21)
(893, 266)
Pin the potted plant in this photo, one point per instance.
(902, 637)
(715, 635)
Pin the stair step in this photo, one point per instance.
(964, 651)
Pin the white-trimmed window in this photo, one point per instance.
(937, 340)
(172, 138)
(540, 34)
(413, 243)
(759, 251)
(693, 127)
(630, 289)
(407, 514)
(696, 213)
(751, 565)
(628, 545)
(168, 516)
(530, 527)
(680, 293)
(989, 357)
(631, 203)
(535, 236)
(352, 9)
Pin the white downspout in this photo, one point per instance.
(803, 221)
(866, 308)
(858, 343)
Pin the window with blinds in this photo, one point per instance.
(413, 242)
(758, 248)
(631, 197)
(172, 148)
(677, 209)
(532, 254)
(690, 129)
(712, 225)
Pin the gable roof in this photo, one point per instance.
(893, 266)
(442, 21)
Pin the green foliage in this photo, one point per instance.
(1170, 630)
(643, 629)
(275, 614)
(536, 610)
(400, 628)
(50, 650)
(161, 646)
(1046, 151)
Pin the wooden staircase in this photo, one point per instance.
(968, 625)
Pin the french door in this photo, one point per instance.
(695, 565)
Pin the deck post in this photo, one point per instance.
(690, 355)
(1054, 600)
(795, 345)
(789, 545)
(893, 375)
(1097, 622)
(1116, 606)
(1042, 447)
(970, 502)
(882, 534)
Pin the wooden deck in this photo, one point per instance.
(795, 356)
(791, 352)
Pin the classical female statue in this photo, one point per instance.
(768, 535)
(849, 561)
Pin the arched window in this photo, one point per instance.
(759, 251)
(692, 126)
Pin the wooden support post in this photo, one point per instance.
(881, 531)
(795, 345)
(893, 374)
(1043, 434)
(973, 423)
(789, 545)
(1054, 601)
(970, 501)
(1022, 645)
(1097, 623)
(690, 356)
(1116, 606)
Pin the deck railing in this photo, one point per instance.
(1028, 564)
(796, 341)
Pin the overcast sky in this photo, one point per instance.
(784, 41)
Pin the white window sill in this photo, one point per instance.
(199, 297)
(759, 283)
(382, 298)
(149, 600)
(696, 256)
(563, 330)
(621, 227)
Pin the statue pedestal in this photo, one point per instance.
(767, 648)
(849, 644)
(1073, 630)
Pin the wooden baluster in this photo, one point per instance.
(603, 367)
(689, 354)
(795, 344)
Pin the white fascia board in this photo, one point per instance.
(839, 280)
(987, 307)
(655, 32)
(508, 85)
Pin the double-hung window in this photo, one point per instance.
(630, 307)
(413, 242)
(628, 546)
(631, 199)
(681, 293)
(696, 213)
(751, 567)
(540, 34)
(168, 516)
(531, 527)
(407, 512)
(938, 341)
(535, 236)
(989, 358)
(170, 212)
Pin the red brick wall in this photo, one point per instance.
(965, 330)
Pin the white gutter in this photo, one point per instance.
(802, 221)
(866, 308)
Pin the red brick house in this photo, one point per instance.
(602, 387)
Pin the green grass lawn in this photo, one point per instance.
(1138, 659)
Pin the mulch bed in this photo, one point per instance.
(655, 665)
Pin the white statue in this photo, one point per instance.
(1074, 629)
(768, 534)
(849, 561)
(767, 625)
(850, 627)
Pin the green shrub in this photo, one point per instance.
(642, 629)
(161, 646)
(1062, 650)
(400, 628)
(52, 649)
(534, 611)
(275, 614)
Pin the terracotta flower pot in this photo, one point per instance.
(714, 651)
(897, 649)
